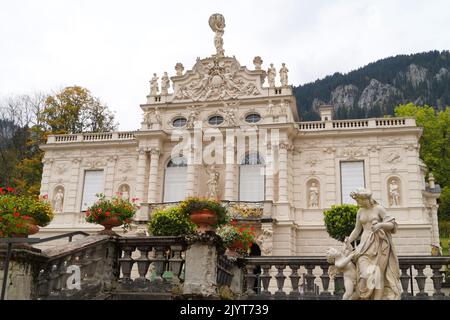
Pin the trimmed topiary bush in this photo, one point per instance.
(340, 220)
(170, 222)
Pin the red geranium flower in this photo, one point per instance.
(9, 189)
(107, 213)
(16, 214)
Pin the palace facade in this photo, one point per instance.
(230, 132)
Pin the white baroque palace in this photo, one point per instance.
(222, 133)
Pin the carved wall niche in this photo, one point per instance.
(313, 193)
(57, 199)
(394, 191)
(124, 192)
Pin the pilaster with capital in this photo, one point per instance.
(190, 176)
(229, 172)
(270, 171)
(140, 174)
(153, 175)
(71, 203)
(109, 179)
(283, 172)
(46, 173)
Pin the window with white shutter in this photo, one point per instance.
(93, 184)
(352, 177)
(175, 180)
(251, 178)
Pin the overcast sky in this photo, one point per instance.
(113, 47)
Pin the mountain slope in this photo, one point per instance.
(374, 90)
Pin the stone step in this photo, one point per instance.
(140, 296)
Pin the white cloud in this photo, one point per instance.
(113, 47)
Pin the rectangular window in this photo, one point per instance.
(352, 177)
(93, 184)
(251, 183)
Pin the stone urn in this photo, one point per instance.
(108, 224)
(204, 219)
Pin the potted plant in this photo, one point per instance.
(207, 214)
(340, 220)
(237, 238)
(170, 222)
(21, 216)
(111, 213)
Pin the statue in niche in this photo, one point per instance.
(179, 68)
(271, 74)
(165, 84)
(217, 24)
(284, 75)
(154, 85)
(152, 117)
(270, 109)
(124, 193)
(58, 200)
(213, 182)
(313, 196)
(282, 108)
(378, 272)
(193, 115)
(265, 242)
(394, 193)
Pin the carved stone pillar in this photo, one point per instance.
(46, 173)
(229, 173)
(153, 175)
(282, 173)
(269, 171)
(190, 183)
(435, 228)
(140, 175)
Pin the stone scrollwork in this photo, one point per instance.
(392, 157)
(216, 79)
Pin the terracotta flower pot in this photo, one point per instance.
(108, 224)
(204, 219)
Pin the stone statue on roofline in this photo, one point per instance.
(217, 24)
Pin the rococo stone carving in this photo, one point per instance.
(217, 79)
(271, 74)
(217, 24)
(165, 84)
(313, 194)
(257, 61)
(265, 242)
(213, 182)
(152, 117)
(154, 85)
(179, 68)
(124, 192)
(284, 75)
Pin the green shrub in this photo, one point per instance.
(190, 205)
(340, 220)
(170, 222)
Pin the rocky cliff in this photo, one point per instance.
(375, 90)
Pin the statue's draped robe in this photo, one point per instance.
(377, 259)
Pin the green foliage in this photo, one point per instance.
(340, 220)
(75, 110)
(17, 211)
(193, 204)
(434, 146)
(103, 208)
(241, 235)
(170, 222)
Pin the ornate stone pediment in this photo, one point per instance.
(217, 78)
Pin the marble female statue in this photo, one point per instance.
(125, 195)
(313, 196)
(154, 85)
(213, 182)
(165, 84)
(271, 74)
(378, 275)
(58, 201)
(284, 75)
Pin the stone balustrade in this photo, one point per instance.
(159, 262)
(356, 124)
(280, 278)
(90, 137)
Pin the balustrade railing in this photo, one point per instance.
(70, 272)
(279, 278)
(159, 262)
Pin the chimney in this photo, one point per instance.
(326, 112)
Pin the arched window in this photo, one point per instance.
(175, 180)
(252, 178)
